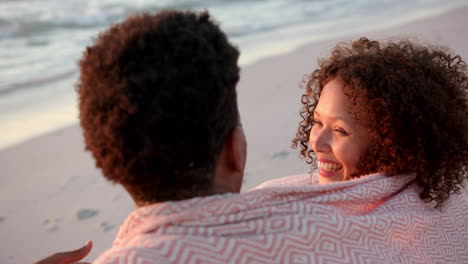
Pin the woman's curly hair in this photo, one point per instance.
(157, 97)
(412, 99)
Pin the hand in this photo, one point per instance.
(69, 256)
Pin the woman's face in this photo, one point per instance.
(336, 138)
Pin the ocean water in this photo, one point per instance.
(41, 41)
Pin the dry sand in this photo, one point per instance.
(53, 199)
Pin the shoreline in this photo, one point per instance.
(311, 33)
(47, 117)
(54, 199)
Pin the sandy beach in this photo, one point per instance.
(52, 198)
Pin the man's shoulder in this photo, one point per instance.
(131, 255)
(288, 181)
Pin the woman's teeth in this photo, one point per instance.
(328, 166)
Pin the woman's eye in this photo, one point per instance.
(341, 131)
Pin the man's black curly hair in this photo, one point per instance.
(412, 99)
(157, 98)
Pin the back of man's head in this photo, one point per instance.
(157, 98)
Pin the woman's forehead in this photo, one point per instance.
(333, 102)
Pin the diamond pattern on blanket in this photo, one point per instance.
(374, 219)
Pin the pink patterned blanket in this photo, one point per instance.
(374, 219)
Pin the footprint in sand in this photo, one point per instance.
(51, 224)
(84, 214)
(106, 227)
(280, 155)
(68, 182)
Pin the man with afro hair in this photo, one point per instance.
(158, 107)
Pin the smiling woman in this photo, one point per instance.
(396, 108)
(336, 138)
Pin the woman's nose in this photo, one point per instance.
(319, 140)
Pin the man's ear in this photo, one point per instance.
(231, 162)
(238, 148)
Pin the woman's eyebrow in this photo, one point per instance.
(335, 118)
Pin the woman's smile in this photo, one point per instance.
(328, 168)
